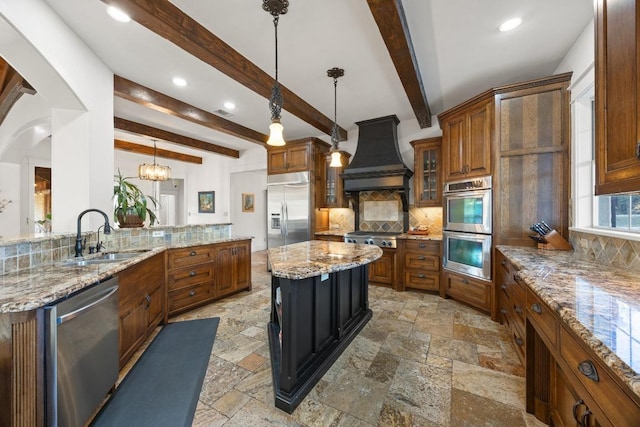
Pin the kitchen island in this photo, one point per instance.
(319, 304)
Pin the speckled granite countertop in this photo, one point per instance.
(36, 287)
(600, 304)
(308, 259)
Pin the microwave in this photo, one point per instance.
(468, 211)
(467, 254)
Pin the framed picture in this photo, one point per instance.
(206, 201)
(248, 202)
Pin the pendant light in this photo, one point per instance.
(276, 8)
(336, 158)
(154, 172)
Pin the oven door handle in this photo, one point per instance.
(77, 312)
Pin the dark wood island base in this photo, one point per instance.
(314, 319)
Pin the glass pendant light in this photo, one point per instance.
(336, 157)
(276, 8)
(154, 172)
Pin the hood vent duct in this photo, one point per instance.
(377, 164)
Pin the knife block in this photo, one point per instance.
(555, 242)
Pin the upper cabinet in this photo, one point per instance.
(617, 97)
(290, 158)
(427, 172)
(467, 135)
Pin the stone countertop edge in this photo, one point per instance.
(405, 236)
(39, 286)
(315, 257)
(550, 274)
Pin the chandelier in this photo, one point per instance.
(336, 158)
(276, 8)
(154, 172)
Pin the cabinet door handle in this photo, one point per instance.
(504, 261)
(465, 281)
(192, 293)
(519, 341)
(584, 419)
(504, 286)
(192, 273)
(588, 369)
(192, 253)
(518, 309)
(575, 407)
(536, 308)
(503, 310)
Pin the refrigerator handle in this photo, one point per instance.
(286, 218)
(283, 221)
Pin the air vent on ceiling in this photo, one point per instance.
(223, 113)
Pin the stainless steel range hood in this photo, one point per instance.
(377, 163)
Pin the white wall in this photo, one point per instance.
(250, 223)
(10, 216)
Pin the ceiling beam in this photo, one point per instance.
(15, 87)
(159, 152)
(164, 135)
(172, 24)
(392, 23)
(150, 98)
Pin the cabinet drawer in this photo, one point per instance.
(417, 279)
(189, 256)
(474, 292)
(519, 341)
(185, 277)
(187, 297)
(623, 411)
(423, 246)
(422, 261)
(543, 318)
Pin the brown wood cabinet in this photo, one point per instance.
(511, 301)
(531, 177)
(290, 158)
(474, 292)
(382, 272)
(427, 167)
(617, 97)
(334, 185)
(421, 267)
(329, 238)
(467, 138)
(200, 274)
(141, 303)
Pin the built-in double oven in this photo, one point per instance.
(467, 227)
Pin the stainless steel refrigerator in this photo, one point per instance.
(288, 207)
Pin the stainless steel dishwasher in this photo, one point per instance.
(81, 353)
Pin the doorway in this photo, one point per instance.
(172, 202)
(42, 200)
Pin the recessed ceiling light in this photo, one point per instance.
(229, 105)
(179, 81)
(510, 24)
(118, 14)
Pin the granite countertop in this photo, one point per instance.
(406, 236)
(313, 258)
(600, 304)
(38, 286)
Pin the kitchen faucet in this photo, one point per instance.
(107, 229)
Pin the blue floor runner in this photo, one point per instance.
(163, 387)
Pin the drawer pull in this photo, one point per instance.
(421, 258)
(192, 253)
(504, 261)
(584, 419)
(192, 293)
(536, 308)
(519, 341)
(588, 369)
(192, 273)
(575, 407)
(518, 309)
(503, 310)
(422, 246)
(421, 276)
(465, 281)
(504, 286)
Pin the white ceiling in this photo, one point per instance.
(458, 47)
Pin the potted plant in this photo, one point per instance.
(131, 204)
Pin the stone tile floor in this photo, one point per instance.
(421, 361)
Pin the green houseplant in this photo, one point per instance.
(131, 204)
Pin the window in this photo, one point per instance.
(619, 212)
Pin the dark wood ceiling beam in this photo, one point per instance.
(150, 98)
(170, 23)
(145, 149)
(15, 87)
(392, 23)
(151, 132)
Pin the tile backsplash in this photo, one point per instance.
(607, 250)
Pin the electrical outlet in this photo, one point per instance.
(158, 233)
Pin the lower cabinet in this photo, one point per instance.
(474, 292)
(421, 267)
(382, 272)
(511, 300)
(141, 303)
(200, 274)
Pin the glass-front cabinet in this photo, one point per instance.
(427, 172)
(334, 189)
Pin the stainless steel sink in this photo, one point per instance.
(105, 258)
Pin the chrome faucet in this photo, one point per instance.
(107, 229)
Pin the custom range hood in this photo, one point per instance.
(377, 164)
